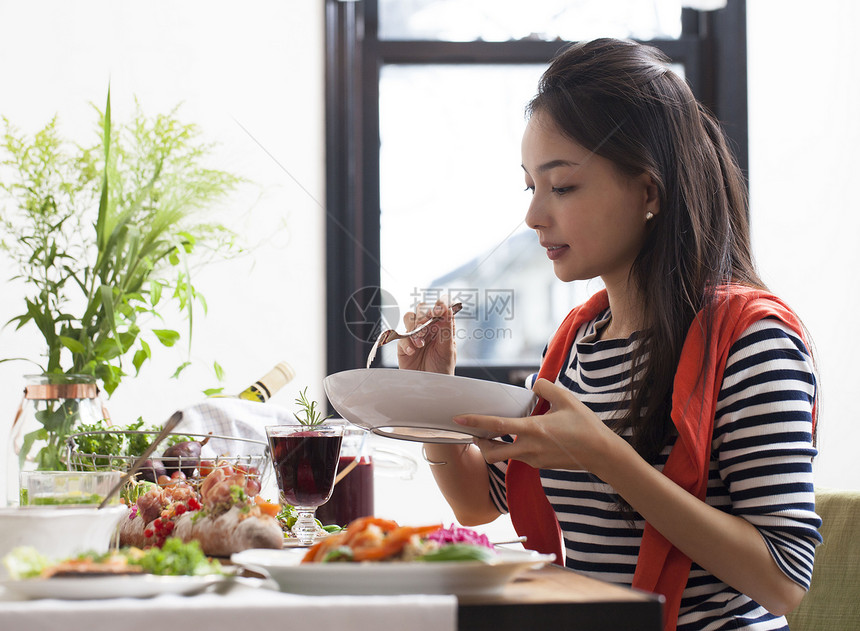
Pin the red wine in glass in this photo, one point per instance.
(305, 460)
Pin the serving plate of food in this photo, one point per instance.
(104, 587)
(418, 406)
(176, 568)
(380, 557)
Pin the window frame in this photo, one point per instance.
(712, 48)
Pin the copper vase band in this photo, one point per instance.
(54, 391)
(48, 391)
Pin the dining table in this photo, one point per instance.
(550, 597)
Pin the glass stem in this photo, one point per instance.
(305, 529)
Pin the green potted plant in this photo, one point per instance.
(104, 240)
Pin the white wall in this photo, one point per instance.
(261, 66)
(804, 100)
(256, 66)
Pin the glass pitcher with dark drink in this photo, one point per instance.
(353, 494)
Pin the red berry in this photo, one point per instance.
(148, 533)
(252, 487)
(180, 508)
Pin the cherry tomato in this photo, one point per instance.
(206, 467)
(252, 486)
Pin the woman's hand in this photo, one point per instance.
(434, 348)
(569, 436)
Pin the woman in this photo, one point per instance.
(672, 444)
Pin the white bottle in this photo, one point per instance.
(267, 385)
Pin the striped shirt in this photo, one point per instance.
(760, 469)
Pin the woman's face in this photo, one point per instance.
(590, 217)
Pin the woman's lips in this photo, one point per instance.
(555, 252)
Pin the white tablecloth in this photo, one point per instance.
(242, 608)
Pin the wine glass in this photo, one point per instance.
(305, 458)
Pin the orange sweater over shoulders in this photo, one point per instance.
(661, 568)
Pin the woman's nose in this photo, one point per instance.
(535, 217)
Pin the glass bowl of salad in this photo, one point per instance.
(66, 488)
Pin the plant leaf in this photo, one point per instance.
(155, 288)
(141, 355)
(72, 344)
(103, 197)
(179, 369)
(167, 337)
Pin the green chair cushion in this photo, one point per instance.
(833, 601)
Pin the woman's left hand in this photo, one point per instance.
(568, 436)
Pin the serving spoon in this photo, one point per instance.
(169, 426)
(390, 335)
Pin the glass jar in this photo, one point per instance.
(352, 496)
(53, 405)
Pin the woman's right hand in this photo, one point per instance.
(434, 349)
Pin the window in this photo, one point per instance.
(425, 194)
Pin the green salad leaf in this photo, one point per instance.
(25, 562)
(458, 552)
(288, 516)
(176, 558)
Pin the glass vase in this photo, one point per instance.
(52, 407)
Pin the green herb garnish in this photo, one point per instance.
(341, 553)
(458, 552)
(176, 558)
(309, 408)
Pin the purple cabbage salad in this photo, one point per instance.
(458, 534)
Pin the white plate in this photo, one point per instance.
(100, 587)
(416, 405)
(436, 577)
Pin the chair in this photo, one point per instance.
(833, 601)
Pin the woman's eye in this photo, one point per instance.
(561, 190)
(530, 188)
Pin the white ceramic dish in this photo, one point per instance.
(58, 532)
(101, 587)
(415, 405)
(448, 577)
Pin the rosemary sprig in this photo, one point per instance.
(312, 415)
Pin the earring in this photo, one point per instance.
(649, 216)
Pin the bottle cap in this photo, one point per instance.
(282, 374)
(275, 379)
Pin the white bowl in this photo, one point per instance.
(58, 532)
(416, 405)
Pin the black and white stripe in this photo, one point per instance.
(761, 469)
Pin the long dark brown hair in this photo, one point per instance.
(620, 100)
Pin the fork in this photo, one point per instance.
(390, 335)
